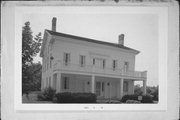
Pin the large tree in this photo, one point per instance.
(30, 48)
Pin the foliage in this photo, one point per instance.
(138, 90)
(47, 94)
(145, 98)
(34, 71)
(129, 97)
(155, 94)
(116, 1)
(30, 48)
(151, 90)
(68, 97)
(132, 101)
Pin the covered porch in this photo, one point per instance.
(105, 87)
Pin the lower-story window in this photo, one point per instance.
(54, 81)
(65, 83)
(49, 81)
(47, 84)
(125, 86)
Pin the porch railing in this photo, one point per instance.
(96, 69)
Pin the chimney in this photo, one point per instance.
(54, 24)
(121, 39)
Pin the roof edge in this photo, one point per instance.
(91, 40)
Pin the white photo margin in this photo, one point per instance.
(162, 13)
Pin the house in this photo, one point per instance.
(77, 64)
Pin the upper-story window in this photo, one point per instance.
(50, 60)
(82, 60)
(66, 58)
(47, 62)
(94, 61)
(126, 66)
(114, 64)
(104, 63)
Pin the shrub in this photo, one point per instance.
(47, 94)
(129, 97)
(145, 98)
(40, 97)
(68, 97)
(132, 101)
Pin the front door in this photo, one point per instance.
(100, 89)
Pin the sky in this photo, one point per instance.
(141, 33)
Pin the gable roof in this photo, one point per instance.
(90, 40)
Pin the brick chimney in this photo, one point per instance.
(54, 24)
(121, 39)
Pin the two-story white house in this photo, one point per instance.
(77, 64)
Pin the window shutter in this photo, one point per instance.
(80, 60)
(64, 58)
(67, 82)
(84, 62)
(116, 64)
(68, 57)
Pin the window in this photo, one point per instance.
(50, 60)
(102, 86)
(114, 64)
(94, 61)
(65, 83)
(47, 62)
(47, 84)
(82, 60)
(104, 63)
(54, 81)
(66, 58)
(49, 81)
(126, 66)
(125, 86)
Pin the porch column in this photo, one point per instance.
(58, 86)
(144, 87)
(121, 87)
(132, 86)
(92, 84)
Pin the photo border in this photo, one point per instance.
(162, 12)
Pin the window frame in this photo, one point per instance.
(125, 86)
(82, 60)
(114, 64)
(66, 58)
(65, 83)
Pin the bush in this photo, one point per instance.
(68, 97)
(47, 94)
(132, 101)
(145, 98)
(129, 97)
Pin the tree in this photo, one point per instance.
(34, 71)
(138, 90)
(30, 48)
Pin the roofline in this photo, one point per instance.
(91, 40)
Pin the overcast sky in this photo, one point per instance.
(141, 33)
